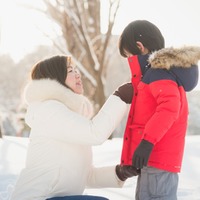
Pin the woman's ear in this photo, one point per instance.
(141, 47)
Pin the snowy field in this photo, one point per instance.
(13, 153)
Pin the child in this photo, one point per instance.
(156, 127)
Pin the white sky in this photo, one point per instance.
(178, 20)
(22, 30)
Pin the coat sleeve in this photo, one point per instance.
(104, 177)
(63, 124)
(167, 97)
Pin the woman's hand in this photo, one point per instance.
(126, 171)
(125, 92)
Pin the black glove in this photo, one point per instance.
(125, 92)
(142, 153)
(126, 171)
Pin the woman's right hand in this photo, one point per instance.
(125, 92)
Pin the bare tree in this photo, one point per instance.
(81, 29)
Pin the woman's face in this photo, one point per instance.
(73, 80)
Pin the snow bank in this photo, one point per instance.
(13, 154)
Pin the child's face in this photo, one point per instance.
(73, 80)
(128, 54)
(142, 50)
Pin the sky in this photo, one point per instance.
(103, 155)
(22, 30)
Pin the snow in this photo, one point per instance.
(13, 154)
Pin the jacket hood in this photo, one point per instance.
(48, 89)
(182, 63)
(166, 58)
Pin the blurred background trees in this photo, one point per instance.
(95, 53)
(80, 25)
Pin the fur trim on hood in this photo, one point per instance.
(47, 89)
(175, 57)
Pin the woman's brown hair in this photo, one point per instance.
(52, 68)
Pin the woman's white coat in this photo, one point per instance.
(59, 157)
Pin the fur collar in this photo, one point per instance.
(47, 89)
(175, 57)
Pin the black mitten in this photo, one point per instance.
(125, 92)
(142, 153)
(124, 171)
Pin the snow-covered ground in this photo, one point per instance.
(13, 153)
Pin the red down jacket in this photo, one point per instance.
(159, 109)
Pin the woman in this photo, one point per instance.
(59, 157)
